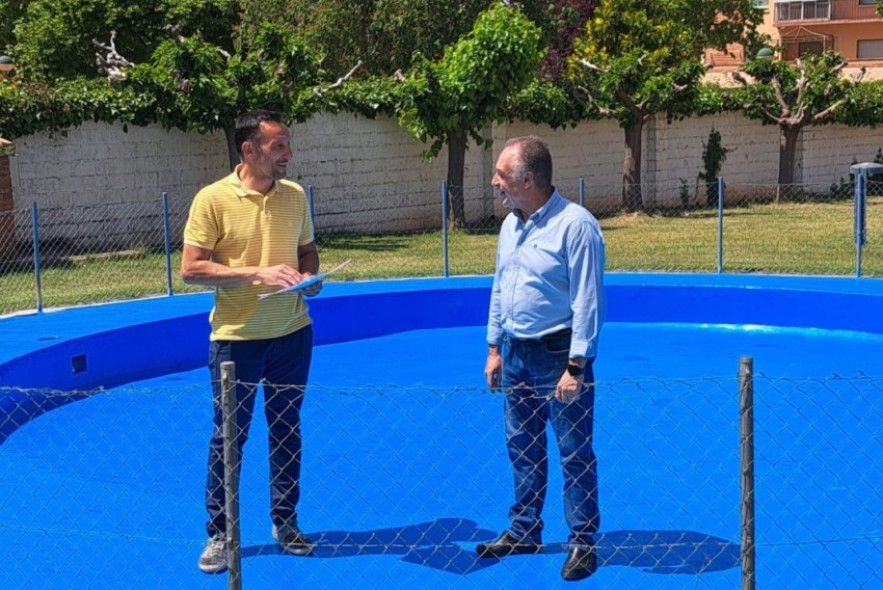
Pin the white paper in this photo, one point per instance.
(307, 282)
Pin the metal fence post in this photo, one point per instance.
(582, 192)
(861, 188)
(862, 172)
(231, 475)
(167, 236)
(38, 282)
(720, 224)
(310, 203)
(746, 431)
(444, 195)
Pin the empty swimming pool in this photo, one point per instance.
(405, 467)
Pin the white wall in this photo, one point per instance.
(369, 175)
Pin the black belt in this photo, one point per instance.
(546, 338)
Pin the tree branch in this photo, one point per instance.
(111, 64)
(780, 98)
(829, 111)
(175, 32)
(339, 82)
(592, 66)
(738, 77)
(859, 75)
(603, 111)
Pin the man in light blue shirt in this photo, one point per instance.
(546, 312)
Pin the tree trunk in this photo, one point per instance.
(7, 206)
(232, 152)
(456, 164)
(631, 167)
(788, 136)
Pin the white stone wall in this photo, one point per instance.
(592, 152)
(98, 164)
(102, 184)
(368, 174)
(829, 151)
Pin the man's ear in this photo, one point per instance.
(247, 150)
(528, 178)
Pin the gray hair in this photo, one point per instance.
(533, 157)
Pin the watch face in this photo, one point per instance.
(573, 370)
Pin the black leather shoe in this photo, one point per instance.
(505, 545)
(581, 563)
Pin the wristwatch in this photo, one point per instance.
(575, 370)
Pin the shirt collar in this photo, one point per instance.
(236, 183)
(548, 207)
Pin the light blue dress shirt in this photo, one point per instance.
(549, 277)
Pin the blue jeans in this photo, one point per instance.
(531, 370)
(282, 365)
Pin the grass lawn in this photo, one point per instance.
(779, 238)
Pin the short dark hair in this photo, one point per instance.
(248, 125)
(534, 157)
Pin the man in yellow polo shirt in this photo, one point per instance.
(248, 234)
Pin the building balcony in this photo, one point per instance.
(823, 12)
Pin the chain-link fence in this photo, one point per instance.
(58, 257)
(399, 484)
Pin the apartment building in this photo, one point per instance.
(852, 28)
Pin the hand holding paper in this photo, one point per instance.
(308, 281)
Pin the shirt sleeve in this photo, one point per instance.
(494, 323)
(201, 229)
(308, 232)
(586, 259)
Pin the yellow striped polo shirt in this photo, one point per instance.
(245, 228)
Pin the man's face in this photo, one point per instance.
(271, 151)
(506, 181)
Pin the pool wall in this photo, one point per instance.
(82, 349)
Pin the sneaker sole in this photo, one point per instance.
(211, 570)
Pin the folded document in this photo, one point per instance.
(309, 281)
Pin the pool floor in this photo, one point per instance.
(405, 470)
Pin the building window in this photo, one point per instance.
(809, 10)
(869, 2)
(870, 49)
(810, 47)
(765, 4)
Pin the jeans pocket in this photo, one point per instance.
(558, 343)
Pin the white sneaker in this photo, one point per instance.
(214, 557)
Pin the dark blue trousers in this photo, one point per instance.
(282, 365)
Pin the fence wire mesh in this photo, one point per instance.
(118, 251)
(400, 482)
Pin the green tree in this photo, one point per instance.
(450, 100)
(54, 37)
(199, 86)
(11, 11)
(393, 35)
(641, 58)
(386, 35)
(794, 96)
(864, 105)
